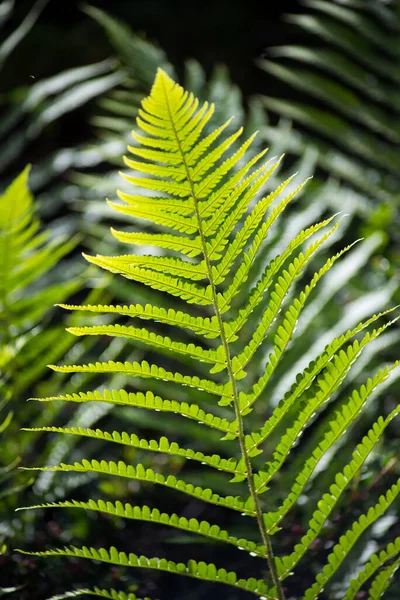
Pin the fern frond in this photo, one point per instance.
(192, 293)
(144, 369)
(151, 402)
(251, 224)
(100, 593)
(285, 330)
(337, 427)
(304, 381)
(178, 243)
(328, 382)
(166, 264)
(382, 581)
(257, 293)
(329, 500)
(211, 194)
(228, 465)
(208, 327)
(140, 473)
(197, 570)
(215, 357)
(127, 511)
(347, 541)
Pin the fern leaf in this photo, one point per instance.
(210, 194)
(155, 214)
(167, 205)
(197, 570)
(177, 173)
(100, 593)
(382, 581)
(209, 182)
(329, 500)
(166, 264)
(139, 473)
(203, 145)
(151, 402)
(251, 224)
(257, 293)
(328, 382)
(127, 511)
(278, 295)
(228, 465)
(193, 294)
(304, 380)
(211, 158)
(337, 427)
(217, 207)
(285, 331)
(347, 541)
(208, 327)
(215, 357)
(178, 243)
(144, 369)
(224, 220)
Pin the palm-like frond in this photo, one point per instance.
(172, 122)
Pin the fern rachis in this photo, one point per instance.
(203, 200)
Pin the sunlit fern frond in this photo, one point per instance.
(27, 255)
(228, 221)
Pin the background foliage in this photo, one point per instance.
(325, 93)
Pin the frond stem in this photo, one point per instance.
(250, 477)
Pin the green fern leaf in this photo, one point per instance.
(200, 325)
(328, 382)
(215, 357)
(257, 293)
(228, 465)
(338, 426)
(144, 369)
(284, 333)
(211, 194)
(251, 224)
(190, 292)
(166, 264)
(151, 402)
(197, 570)
(329, 500)
(127, 511)
(382, 581)
(302, 384)
(100, 593)
(140, 473)
(224, 220)
(190, 247)
(346, 542)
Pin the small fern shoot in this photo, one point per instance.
(216, 220)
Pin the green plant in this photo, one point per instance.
(36, 105)
(340, 86)
(28, 339)
(185, 169)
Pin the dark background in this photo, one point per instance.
(233, 33)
